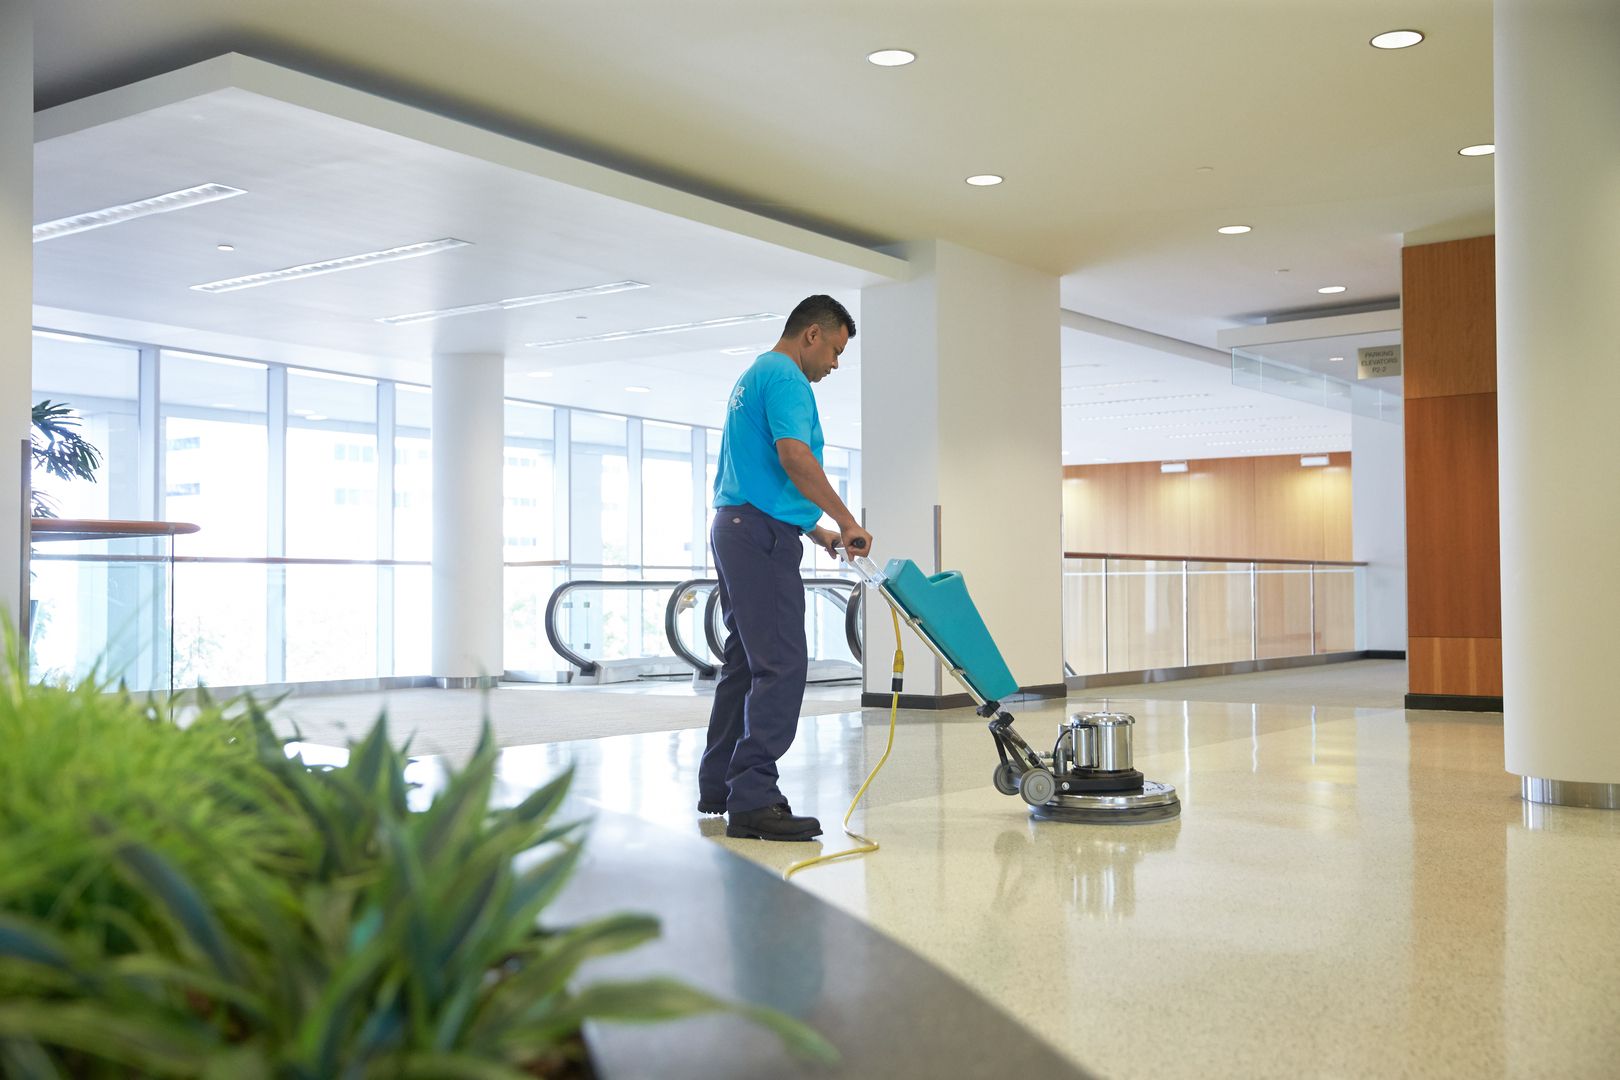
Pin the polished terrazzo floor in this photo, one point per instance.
(1348, 891)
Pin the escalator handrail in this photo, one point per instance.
(672, 632)
(586, 667)
(821, 584)
(852, 625)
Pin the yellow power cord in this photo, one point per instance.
(865, 845)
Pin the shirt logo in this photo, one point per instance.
(736, 398)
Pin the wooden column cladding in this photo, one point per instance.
(1453, 559)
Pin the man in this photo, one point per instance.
(769, 491)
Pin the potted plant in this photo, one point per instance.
(196, 903)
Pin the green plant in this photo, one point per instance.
(197, 904)
(59, 449)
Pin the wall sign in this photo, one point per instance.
(1377, 362)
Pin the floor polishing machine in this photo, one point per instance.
(1088, 777)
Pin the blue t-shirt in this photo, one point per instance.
(771, 401)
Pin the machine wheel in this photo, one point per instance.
(1037, 787)
(1005, 778)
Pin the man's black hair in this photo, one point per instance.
(820, 309)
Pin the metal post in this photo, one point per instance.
(275, 539)
(387, 428)
(1313, 608)
(1106, 630)
(25, 616)
(1186, 633)
(1254, 611)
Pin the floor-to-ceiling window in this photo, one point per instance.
(314, 494)
(85, 614)
(214, 449)
(332, 474)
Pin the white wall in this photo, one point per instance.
(1378, 530)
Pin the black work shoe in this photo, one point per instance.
(771, 823)
(711, 806)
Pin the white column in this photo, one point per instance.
(468, 462)
(960, 411)
(16, 285)
(1558, 384)
(1378, 531)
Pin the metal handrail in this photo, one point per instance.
(671, 631)
(816, 584)
(586, 667)
(1207, 558)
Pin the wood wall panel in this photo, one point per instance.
(1220, 507)
(1251, 507)
(1452, 535)
(1448, 317)
(1468, 667)
(1337, 542)
(1288, 509)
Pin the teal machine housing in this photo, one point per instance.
(1088, 776)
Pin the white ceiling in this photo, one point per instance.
(1127, 132)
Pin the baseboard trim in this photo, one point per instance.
(1043, 692)
(1453, 702)
(1385, 654)
(1207, 671)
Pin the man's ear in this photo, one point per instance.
(812, 333)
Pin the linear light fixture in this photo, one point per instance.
(745, 350)
(1173, 466)
(651, 331)
(1268, 442)
(1313, 460)
(513, 302)
(1130, 400)
(1105, 385)
(1251, 431)
(332, 266)
(117, 215)
(1201, 423)
(1163, 412)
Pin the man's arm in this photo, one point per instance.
(806, 473)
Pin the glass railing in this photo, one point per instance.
(101, 605)
(1126, 613)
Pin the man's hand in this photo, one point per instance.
(825, 539)
(856, 541)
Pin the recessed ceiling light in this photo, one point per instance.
(1478, 150)
(332, 266)
(225, 247)
(1396, 39)
(1233, 230)
(1313, 461)
(891, 57)
(744, 351)
(224, 405)
(650, 331)
(515, 302)
(1173, 466)
(1331, 289)
(314, 416)
(117, 215)
(539, 374)
(331, 376)
(1335, 359)
(985, 180)
(639, 389)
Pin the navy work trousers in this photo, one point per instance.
(761, 686)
